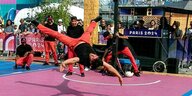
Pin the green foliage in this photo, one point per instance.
(60, 12)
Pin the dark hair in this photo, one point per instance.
(23, 39)
(8, 21)
(73, 18)
(96, 63)
(105, 34)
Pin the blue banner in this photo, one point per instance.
(143, 33)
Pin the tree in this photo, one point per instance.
(57, 10)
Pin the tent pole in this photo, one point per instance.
(186, 29)
(115, 43)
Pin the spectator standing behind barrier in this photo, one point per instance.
(75, 31)
(16, 31)
(9, 30)
(23, 26)
(141, 25)
(120, 27)
(188, 36)
(189, 31)
(24, 55)
(163, 24)
(133, 26)
(9, 27)
(60, 46)
(111, 26)
(50, 43)
(32, 29)
(176, 32)
(61, 27)
(102, 29)
(103, 26)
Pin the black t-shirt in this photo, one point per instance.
(122, 43)
(75, 32)
(53, 27)
(22, 49)
(82, 51)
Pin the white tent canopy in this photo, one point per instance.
(30, 12)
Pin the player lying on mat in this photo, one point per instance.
(81, 46)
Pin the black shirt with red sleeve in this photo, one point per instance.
(75, 32)
(83, 51)
(53, 27)
(122, 43)
(22, 49)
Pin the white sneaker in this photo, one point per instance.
(190, 67)
(87, 69)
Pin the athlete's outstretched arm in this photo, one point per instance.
(114, 71)
(68, 61)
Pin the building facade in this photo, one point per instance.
(9, 8)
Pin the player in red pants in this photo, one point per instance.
(24, 55)
(81, 47)
(74, 31)
(122, 49)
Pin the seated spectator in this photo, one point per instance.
(176, 32)
(61, 28)
(141, 25)
(16, 31)
(120, 27)
(24, 55)
(32, 28)
(163, 24)
(9, 28)
(23, 26)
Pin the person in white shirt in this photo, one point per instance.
(61, 28)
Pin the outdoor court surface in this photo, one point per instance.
(47, 81)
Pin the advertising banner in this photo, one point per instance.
(2, 37)
(143, 33)
(36, 41)
(9, 43)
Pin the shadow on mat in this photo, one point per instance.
(65, 71)
(64, 90)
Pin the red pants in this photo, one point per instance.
(50, 45)
(71, 54)
(70, 42)
(127, 53)
(22, 60)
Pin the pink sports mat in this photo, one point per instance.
(53, 83)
